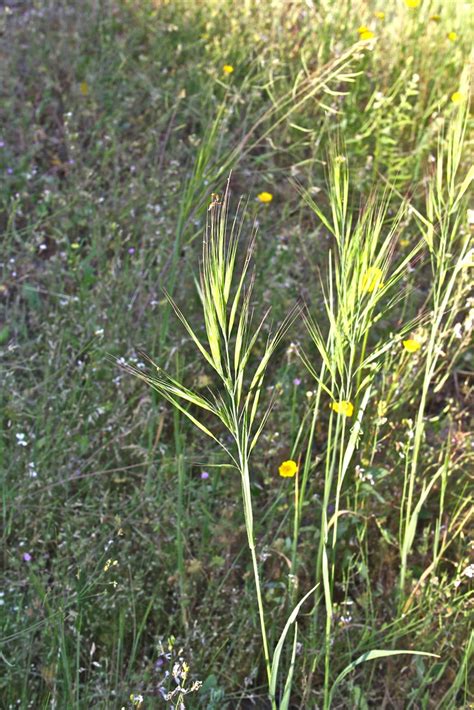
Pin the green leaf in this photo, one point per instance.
(413, 521)
(4, 334)
(190, 331)
(31, 295)
(371, 656)
(281, 641)
(289, 678)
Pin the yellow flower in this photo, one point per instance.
(109, 564)
(435, 18)
(265, 197)
(343, 407)
(371, 280)
(84, 88)
(379, 15)
(382, 408)
(452, 36)
(75, 245)
(457, 97)
(365, 33)
(288, 469)
(411, 345)
(227, 68)
(412, 3)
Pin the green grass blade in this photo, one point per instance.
(372, 656)
(279, 647)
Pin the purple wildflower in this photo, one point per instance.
(204, 475)
(27, 557)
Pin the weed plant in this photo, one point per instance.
(261, 210)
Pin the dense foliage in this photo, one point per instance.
(304, 325)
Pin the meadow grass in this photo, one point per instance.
(259, 210)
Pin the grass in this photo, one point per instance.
(153, 556)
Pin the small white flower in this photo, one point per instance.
(469, 322)
(469, 571)
(21, 439)
(468, 260)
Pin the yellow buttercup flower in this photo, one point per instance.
(365, 33)
(265, 197)
(343, 407)
(288, 469)
(379, 15)
(227, 68)
(457, 97)
(371, 280)
(84, 88)
(412, 3)
(452, 36)
(75, 245)
(411, 345)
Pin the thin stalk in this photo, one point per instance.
(304, 480)
(248, 514)
(179, 521)
(440, 309)
(295, 535)
(241, 439)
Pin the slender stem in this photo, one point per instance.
(418, 435)
(179, 521)
(241, 439)
(247, 501)
(307, 464)
(328, 475)
(261, 615)
(306, 469)
(296, 522)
